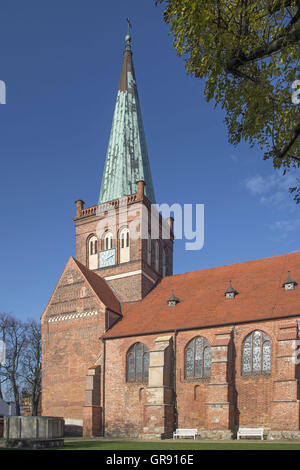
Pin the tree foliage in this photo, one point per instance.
(248, 52)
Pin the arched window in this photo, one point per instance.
(93, 246)
(93, 252)
(197, 361)
(124, 245)
(107, 241)
(137, 363)
(256, 356)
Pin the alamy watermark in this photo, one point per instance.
(296, 354)
(2, 352)
(185, 222)
(296, 93)
(2, 92)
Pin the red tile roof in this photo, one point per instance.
(203, 303)
(100, 287)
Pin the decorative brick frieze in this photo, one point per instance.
(71, 317)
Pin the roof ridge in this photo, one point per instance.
(203, 304)
(231, 264)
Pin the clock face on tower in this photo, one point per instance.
(107, 258)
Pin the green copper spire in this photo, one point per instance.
(127, 156)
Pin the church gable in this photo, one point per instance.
(78, 294)
(82, 307)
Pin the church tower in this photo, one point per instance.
(123, 239)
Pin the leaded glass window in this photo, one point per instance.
(207, 361)
(197, 361)
(137, 367)
(266, 364)
(256, 355)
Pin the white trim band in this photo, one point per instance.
(132, 273)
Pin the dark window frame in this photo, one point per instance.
(261, 372)
(205, 345)
(144, 376)
(92, 245)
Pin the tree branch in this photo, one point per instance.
(292, 23)
(263, 51)
(286, 148)
(278, 5)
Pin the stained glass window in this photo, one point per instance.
(130, 367)
(207, 361)
(137, 363)
(189, 362)
(256, 356)
(197, 358)
(266, 364)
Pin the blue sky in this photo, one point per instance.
(61, 61)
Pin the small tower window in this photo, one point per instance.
(149, 250)
(289, 283)
(124, 245)
(108, 241)
(93, 253)
(164, 262)
(93, 246)
(156, 256)
(230, 292)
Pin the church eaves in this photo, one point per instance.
(127, 159)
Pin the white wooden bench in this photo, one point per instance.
(250, 432)
(185, 433)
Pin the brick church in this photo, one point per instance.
(129, 349)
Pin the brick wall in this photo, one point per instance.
(70, 345)
(27, 405)
(132, 287)
(124, 402)
(223, 401)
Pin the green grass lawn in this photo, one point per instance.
(139, 445)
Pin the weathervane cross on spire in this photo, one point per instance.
(128, 37)
(129, 26)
